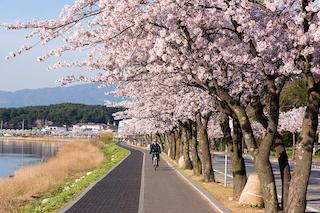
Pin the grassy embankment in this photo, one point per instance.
(48, 187)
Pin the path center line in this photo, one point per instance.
(141, 198)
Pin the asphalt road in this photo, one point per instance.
(313, 194)
(166, 192)
(135, 187)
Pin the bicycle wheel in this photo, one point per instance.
(155, 163)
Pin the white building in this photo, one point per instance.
(55, 128)
(88, 127)
(121, 127)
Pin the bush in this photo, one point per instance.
(287, 139)
(218, 144)
(107, 137)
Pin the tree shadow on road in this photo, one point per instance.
(165, 168)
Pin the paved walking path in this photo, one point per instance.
(122, 191)
(166, 192)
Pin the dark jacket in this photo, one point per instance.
(155, 148)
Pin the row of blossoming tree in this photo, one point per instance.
(188, 66)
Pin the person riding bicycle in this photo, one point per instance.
(155, 150)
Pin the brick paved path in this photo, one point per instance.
(118, 192)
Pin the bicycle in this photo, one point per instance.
(155, 161)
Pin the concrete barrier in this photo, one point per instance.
(252, 194)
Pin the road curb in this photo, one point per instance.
(213, 201)
(71, 203)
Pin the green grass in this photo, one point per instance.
(316, 157)
(59, 196)
(289, 152)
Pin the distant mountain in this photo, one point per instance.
(84, 94)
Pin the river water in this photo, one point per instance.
(14, 155)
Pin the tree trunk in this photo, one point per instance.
(266, 177)
(163, 141)
(171, 143)
(238, 164)
(166, 142)
(235, 150)
(159, 139)
(303, 159)
(262, 162)
(185, 136)
(284, 169)
(196, 162)
(177, 136)
(279, 148)
(172, 146)
(202, 122)
(260, 154)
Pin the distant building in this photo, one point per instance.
(121, 127)
(112, 127)
(95, 127)
(54, 129)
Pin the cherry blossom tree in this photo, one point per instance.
(239, 52)
(164, 99)
(291, 120)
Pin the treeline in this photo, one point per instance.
(58, 114)
(294, 95)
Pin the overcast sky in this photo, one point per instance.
(24, 72)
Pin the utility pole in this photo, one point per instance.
(293, 145)
(23, 124)
(226, 154)
(225, 165)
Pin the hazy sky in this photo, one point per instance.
(24, 72)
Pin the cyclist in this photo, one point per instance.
(155, 149)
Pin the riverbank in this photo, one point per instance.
(49, 186)
(44, 139)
